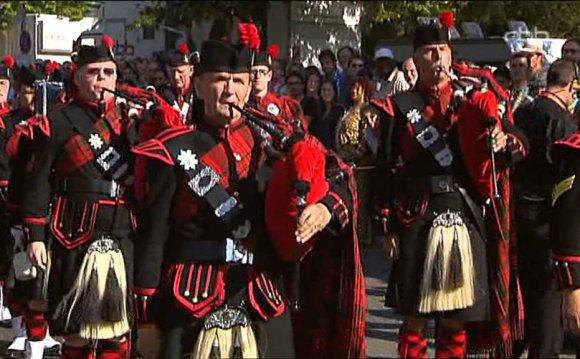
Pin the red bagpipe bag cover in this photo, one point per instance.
(473, 116)
(505, 325)
(306, 162)
(332, 320)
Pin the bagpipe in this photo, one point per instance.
(151, 112)
(298, 179)
(476, 135)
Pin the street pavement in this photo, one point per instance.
(382, 327)
(382, 324)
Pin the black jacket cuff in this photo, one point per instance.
(337, 208)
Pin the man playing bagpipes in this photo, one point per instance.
(437, 157)
(16, 139)
(324, 278)
(81, 244)
(205, 255)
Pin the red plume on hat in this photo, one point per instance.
(249, 35)
(183, 48)
(9, 61)
(51, 67)
(447, 19)
(274, 51)
(108, 41)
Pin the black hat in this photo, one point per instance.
(430, 35)
(6, 67)
(222, 56)
(26, 75)
(434, 33)
(265, 58)
(180, 56)
(91, 54)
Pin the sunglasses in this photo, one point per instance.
(96, 71)
(357, 65)
(294, 83)
(158, 79)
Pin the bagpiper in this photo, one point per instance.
(81, 245)
(437, 199)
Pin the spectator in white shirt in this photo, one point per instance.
(389, 79)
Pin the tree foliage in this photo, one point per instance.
(184, 12)
(75, 10)
(559, 18)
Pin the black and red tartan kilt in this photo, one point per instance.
(403, 292)
(66, 264)
(181, 326)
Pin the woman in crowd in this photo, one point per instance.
(354, 148)
(324, 127)
(313, 81)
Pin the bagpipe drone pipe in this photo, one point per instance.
(152, 113)
(298, 180)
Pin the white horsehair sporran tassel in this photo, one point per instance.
(227, 333)
(96, 306)
(448, 272)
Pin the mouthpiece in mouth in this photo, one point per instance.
(231, 106)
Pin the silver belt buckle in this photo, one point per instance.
(237, 253)
(226, 318)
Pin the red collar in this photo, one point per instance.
(260, 100)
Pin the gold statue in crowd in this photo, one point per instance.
(354, 145)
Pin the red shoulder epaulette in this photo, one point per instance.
(155, 147)
(385, 105)
(572, 141)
